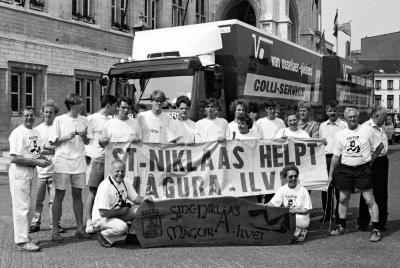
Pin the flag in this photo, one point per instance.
(335, 25)
(321, 46)
(345, 27)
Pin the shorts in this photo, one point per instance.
(96, 174)
(357, 177)
(61, 180)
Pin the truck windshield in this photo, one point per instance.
(172, 86)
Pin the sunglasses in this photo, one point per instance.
(293, 176)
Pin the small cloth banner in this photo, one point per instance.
(231, 168)
(212, 221)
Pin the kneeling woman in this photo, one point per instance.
(295, 197)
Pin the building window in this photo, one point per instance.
(378, 84)
(378, 99)
(83, 10)
(119, 18)
(150, 11)
(200, 11)
(89, 88)
(22, 91)
(78, 87)
(389, 103)
(37, 4)
(178, 12)
(389, 84)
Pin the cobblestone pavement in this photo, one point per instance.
(350, 250)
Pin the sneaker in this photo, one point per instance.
(375, 235)
(103, 242)
(61, 229)
(57, 238)
(301, 236)
(28, 246)
(339, 231)
(34, 228)
(89, 228)
(82, 235)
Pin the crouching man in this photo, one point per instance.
(114, 206)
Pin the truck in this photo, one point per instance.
(230, 59)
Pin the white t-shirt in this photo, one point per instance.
(297, 197)
(44, 131)
(268, 128)
(157, 128)
(69, 156)
(107, 197)
(117, 130)
(96, 123)
(233, 131)
(354, 146)
(187, 130)
(328, 131)
(239, 136)
(210, 129)
(24, 142)
(299, 133)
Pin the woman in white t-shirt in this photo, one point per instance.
(295, 197)
(244, 124)
(293, 130)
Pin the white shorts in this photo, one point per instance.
(77, 180)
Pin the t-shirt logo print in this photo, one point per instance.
(34, 148)
(353, 147)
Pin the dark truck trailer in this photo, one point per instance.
(228, 60)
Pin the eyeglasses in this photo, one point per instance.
(293, 176)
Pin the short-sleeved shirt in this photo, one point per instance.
(107, 197)
(69, 156)
(299, 133)
(186, 128)
(233, 131)
(159, 128)
(44, 132)
(311, 127)
(328, 131)
(117, 130)
(210, 129)
(297, 197)
(354, 146)
(378, 135)
(96, 124)
(24, 142)
(268, 128)
(239, 136)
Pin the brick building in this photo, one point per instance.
(50, 48)
(381, 53)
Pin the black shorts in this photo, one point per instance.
(350, 178)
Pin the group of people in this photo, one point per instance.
(63, 148)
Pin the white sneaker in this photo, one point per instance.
(28, 246)
(89, 227)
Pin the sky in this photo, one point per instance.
(368, 18)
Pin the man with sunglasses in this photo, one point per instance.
(114, 206)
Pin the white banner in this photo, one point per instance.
(264, 86)
(232, 168)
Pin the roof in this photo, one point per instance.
(388, 66)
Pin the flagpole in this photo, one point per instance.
(350, 43)
(337, 34)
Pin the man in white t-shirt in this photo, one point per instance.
(45, 175)
(156, 126)
(211, 128)
(114, 205)
(25, 152)
(183, 123)
(294, 196)
(327, 132)
(121, 128)
(69, 136)
(352, 150)
(96, 122)
(269, 125)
